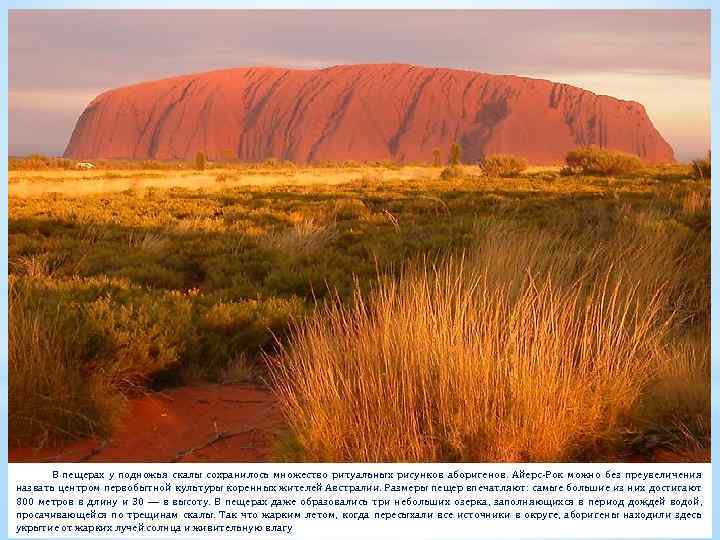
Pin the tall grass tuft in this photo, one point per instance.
(702, 168)
(533, 347)
(50, 398)
(305, 237)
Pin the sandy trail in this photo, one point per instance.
(214, 423)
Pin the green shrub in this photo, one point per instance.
(229, 332)
(701, 168)
(601, 161)
(134, 341)
(503, 165)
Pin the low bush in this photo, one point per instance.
(602, 161)
(503, 165)
(38, 162)
(133, 341)
(350, 208)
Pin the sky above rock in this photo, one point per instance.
(60, 60)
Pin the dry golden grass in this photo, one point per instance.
(29, 183)
(303, 238)
(147, 241)
(195, 281)
(674, 412)
(533, 347)
(49, 396)
(696, 202)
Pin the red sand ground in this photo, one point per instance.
(215, 423)
(359, 112)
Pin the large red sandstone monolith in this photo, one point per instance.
(359, 112)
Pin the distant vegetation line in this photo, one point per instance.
(586, 159)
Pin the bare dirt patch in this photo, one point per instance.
(214, 423)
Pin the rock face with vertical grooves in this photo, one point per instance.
(358, 112)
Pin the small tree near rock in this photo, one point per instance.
(436, 157)
(200, 161)
(455, 154)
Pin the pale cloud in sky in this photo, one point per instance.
(63, 100)
(59, 60)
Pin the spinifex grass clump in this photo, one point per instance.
(503, 165)
(532, 348)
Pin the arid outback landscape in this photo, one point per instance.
(377, 262)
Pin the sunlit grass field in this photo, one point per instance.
(397, 316)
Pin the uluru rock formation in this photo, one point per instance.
(358, 112)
